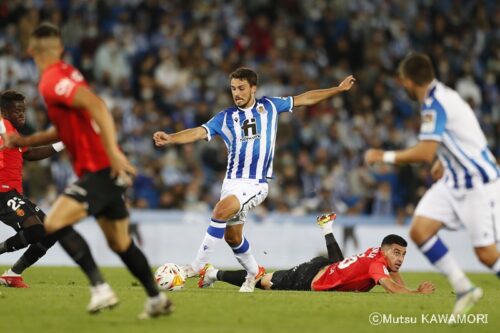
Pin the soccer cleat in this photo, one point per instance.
(325, 218)
(157, 306)
(102, 297)
(465, 301)
(188, 272)
(249, 285)
(205, 281)
(13, 281)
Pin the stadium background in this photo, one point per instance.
(164, 65)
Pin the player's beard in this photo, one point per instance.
(412, 94)
(243, 103)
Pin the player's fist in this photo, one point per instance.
(162, 139)
(426, 287)
(347, 83)
(374, 156)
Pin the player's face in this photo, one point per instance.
(395, 255)
(16, 114)
(243, 93)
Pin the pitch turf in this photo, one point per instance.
(58, 295)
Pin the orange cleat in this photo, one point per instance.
(13, 281)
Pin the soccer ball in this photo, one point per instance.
(169, 277)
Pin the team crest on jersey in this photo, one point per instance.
(20, 212)
(261, 109)
(428, 121)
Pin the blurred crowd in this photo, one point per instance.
(164, 65)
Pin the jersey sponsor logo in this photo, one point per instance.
(76, 76)
(249, 128)
(428, 121)
(64, 87)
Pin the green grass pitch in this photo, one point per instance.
(58, 295)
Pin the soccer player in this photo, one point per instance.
(249, 132)
(16, 210)
(467, 194)
(83, 123)
(377, 265)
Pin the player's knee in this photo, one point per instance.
(233, 239)
(34, 233)
(418, 234)
(487, 256)
(119, 245)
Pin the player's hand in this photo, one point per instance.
(373, 156)
(437, 170)
(347, 83)
(121, 169)
(162, 139)
(426, 287)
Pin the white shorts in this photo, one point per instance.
(249, 192)
(477, 209)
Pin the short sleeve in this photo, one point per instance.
(282, 104)
(378, 271)
(214, 125)
(63, 88)
(433, 122)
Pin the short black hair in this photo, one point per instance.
(394, 239)
(46, 30)
(244, 73)
(418, 68)
(8, 97)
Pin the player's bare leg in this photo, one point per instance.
(119, 240)
(65, 212)
(223, 211)
(489, 256)
(424, 231)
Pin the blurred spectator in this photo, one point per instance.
(164, 65)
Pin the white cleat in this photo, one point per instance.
(467, 300)
(249, 285)
(102, 297)
(157, 306)
(188, 272)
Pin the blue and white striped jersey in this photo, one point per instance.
(250, 136)
(447, 118)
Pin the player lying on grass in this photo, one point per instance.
(377, 265)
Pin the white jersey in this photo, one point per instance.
(447, 118)
(250, 136)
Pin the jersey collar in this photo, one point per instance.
(249, 108)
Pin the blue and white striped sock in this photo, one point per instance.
(214, 234)
(243, 254)
(439, 256)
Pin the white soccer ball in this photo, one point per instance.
(169, 277)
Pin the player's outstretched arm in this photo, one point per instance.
(37, 139)
(187, 136)
(40, 153)
(424, 151)
(393, 287)
(84, 98)
(315, 96)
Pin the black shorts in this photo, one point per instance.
(15, 208)
(300, 277)
(99, 192)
